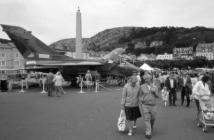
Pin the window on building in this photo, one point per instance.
(3, 63)
(3, 54)
(17, 63)
(17, 55)
(3, 71)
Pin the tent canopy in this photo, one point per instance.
(146, 67)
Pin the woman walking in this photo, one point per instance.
(58, 80)
(201, 91)
(129, 103)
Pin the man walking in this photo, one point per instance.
(171, 87)
(147, 99)
(186, 89)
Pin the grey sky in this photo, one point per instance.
(52, 20)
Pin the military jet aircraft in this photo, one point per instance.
(40, 57)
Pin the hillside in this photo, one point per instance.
(139, 40)
(103, 41)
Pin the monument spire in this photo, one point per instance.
(78, 33)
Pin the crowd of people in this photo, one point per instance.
(180, 82)
(141, 91)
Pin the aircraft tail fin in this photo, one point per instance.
(28, 45)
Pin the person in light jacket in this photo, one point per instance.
(130, 103)
(147, 99)
(201, 91)
(58, 80)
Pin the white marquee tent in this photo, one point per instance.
(146, 67)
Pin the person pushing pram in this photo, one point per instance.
(205, 106)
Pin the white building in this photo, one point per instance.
(156, 43)
(165, 56)
(205, 50)
(10, 58)
(208, 55)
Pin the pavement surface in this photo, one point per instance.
(89, 116)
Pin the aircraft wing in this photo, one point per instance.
(128, 66)
(114, 55)
(62, 63)
(83, 63)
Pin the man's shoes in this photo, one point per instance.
(148, 136)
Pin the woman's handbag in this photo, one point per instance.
(121, 123)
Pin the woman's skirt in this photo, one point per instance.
(132, 113)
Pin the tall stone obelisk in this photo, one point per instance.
(78, 33)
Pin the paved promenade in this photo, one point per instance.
(90, 116)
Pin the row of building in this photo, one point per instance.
(202, 50)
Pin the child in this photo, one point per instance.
(165, 93)
(208, 108)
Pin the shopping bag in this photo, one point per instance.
(121, 123)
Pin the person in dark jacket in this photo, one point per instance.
(186, 89)
(171, 87)
(50, 83)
